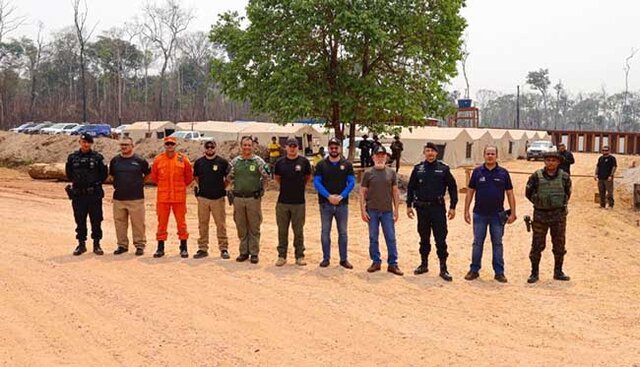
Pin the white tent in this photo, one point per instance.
(543, 135)
(452, 144)
(149, 129)
(218, 130)
(520, 141)
(481, 138)
(503, 140)
(307, 135)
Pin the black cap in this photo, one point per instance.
(553, 155)
(430, 145)
(86, 137)
(379, 149)
(292, 141)
(334, 141)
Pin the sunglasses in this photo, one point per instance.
(169, 144)
(210, 147)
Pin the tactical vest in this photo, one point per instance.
(86, 170)
(551, 193)
(247, 177)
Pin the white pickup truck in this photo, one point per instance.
(190, 135)
(538, 148)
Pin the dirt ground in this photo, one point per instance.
(57, 309)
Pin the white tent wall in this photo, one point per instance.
(158, 129)
(454, 139)
(481, 138)
(502, 138)
(520, 139)
(264, 131)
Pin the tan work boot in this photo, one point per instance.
(281, 261)
(300, 261)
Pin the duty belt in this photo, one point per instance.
(244, 195)
(424, 204)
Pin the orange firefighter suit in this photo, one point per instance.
(172, 175)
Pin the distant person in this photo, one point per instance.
(365, 151)
(293, 173)
(605, 171)
(396, 151)
(428, 184)
(274, 152)
(489, 183)
(318, 157)
(247, 176)
(567, 158)
(374, 143)
(210, 172)
(334, 179)
(129, 171)
(87, 171)
(172, 173)
(379, 201)
(549, 189)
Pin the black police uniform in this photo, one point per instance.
(426, 189)
(86, 171)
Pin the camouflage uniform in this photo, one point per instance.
(550, 214)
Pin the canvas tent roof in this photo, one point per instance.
(264, 131)
(158, 129)
(218, 130)
(481, 138)
(454, 139)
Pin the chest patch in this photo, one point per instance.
(215, 167)
(252, 168)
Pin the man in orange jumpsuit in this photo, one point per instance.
(172, 172)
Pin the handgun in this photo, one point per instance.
(527, 220)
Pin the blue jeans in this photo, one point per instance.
(384, 219)
(496, 229)
(341, 214)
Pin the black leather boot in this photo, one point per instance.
(80, 249)
(183, 249)
(97, 249)
(424, 265)
(535, 270)
(160, 250)
(444, 274)
(558, 274)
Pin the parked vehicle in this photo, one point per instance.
(120, 129)
(95, 130)
(73, 130)
(189, 135)
(22, 127)
(58, 128)
(537, 149)
(36, 129)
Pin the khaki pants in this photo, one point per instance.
(247, 213)
(293, 214)
(208, 208)
(123, 211)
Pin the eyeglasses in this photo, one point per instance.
(210, 147)
(169, 144)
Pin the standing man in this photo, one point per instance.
(172, 172)
(379, 200)
(489, 183)
(396, 151)
(334, 180)
(292, 172)
(427, 186)
(605, 170)
(274, 152)
(365, 151)
(86, 170)
(129, 171)
(549, 189)
(210, 172)
(248, 174)
(567, 158)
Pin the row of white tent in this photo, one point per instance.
(458, 146)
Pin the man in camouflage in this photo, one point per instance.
(549, 189)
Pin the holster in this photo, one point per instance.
(230, 197)
(70, 192)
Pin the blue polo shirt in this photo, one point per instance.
(490, 186)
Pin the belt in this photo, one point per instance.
(423, 204)
(244, 195)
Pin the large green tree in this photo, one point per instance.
(348, 62)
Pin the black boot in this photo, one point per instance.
(424, 265)
(558, 274)
(160, 250)
(183, 249)
(81, 249)
(535, 270)
(97, 249)
(444, 274)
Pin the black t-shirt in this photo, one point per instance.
(605, 166)
(334, 177)
(128, 177)
(211, 174)
(292, 174)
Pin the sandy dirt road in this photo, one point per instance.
(56, 309)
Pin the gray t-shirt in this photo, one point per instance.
(379, 183)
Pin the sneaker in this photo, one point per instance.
(254, 259)
(200, 254)
(471, 275)
(242, 258)
(225, 254)
(374, 267)
(120, 250)
(501, 278)
(346, 264)
(300, 261)
(139, 251)
(281, 261)
(324, 263)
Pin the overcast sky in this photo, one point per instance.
(582, 42)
